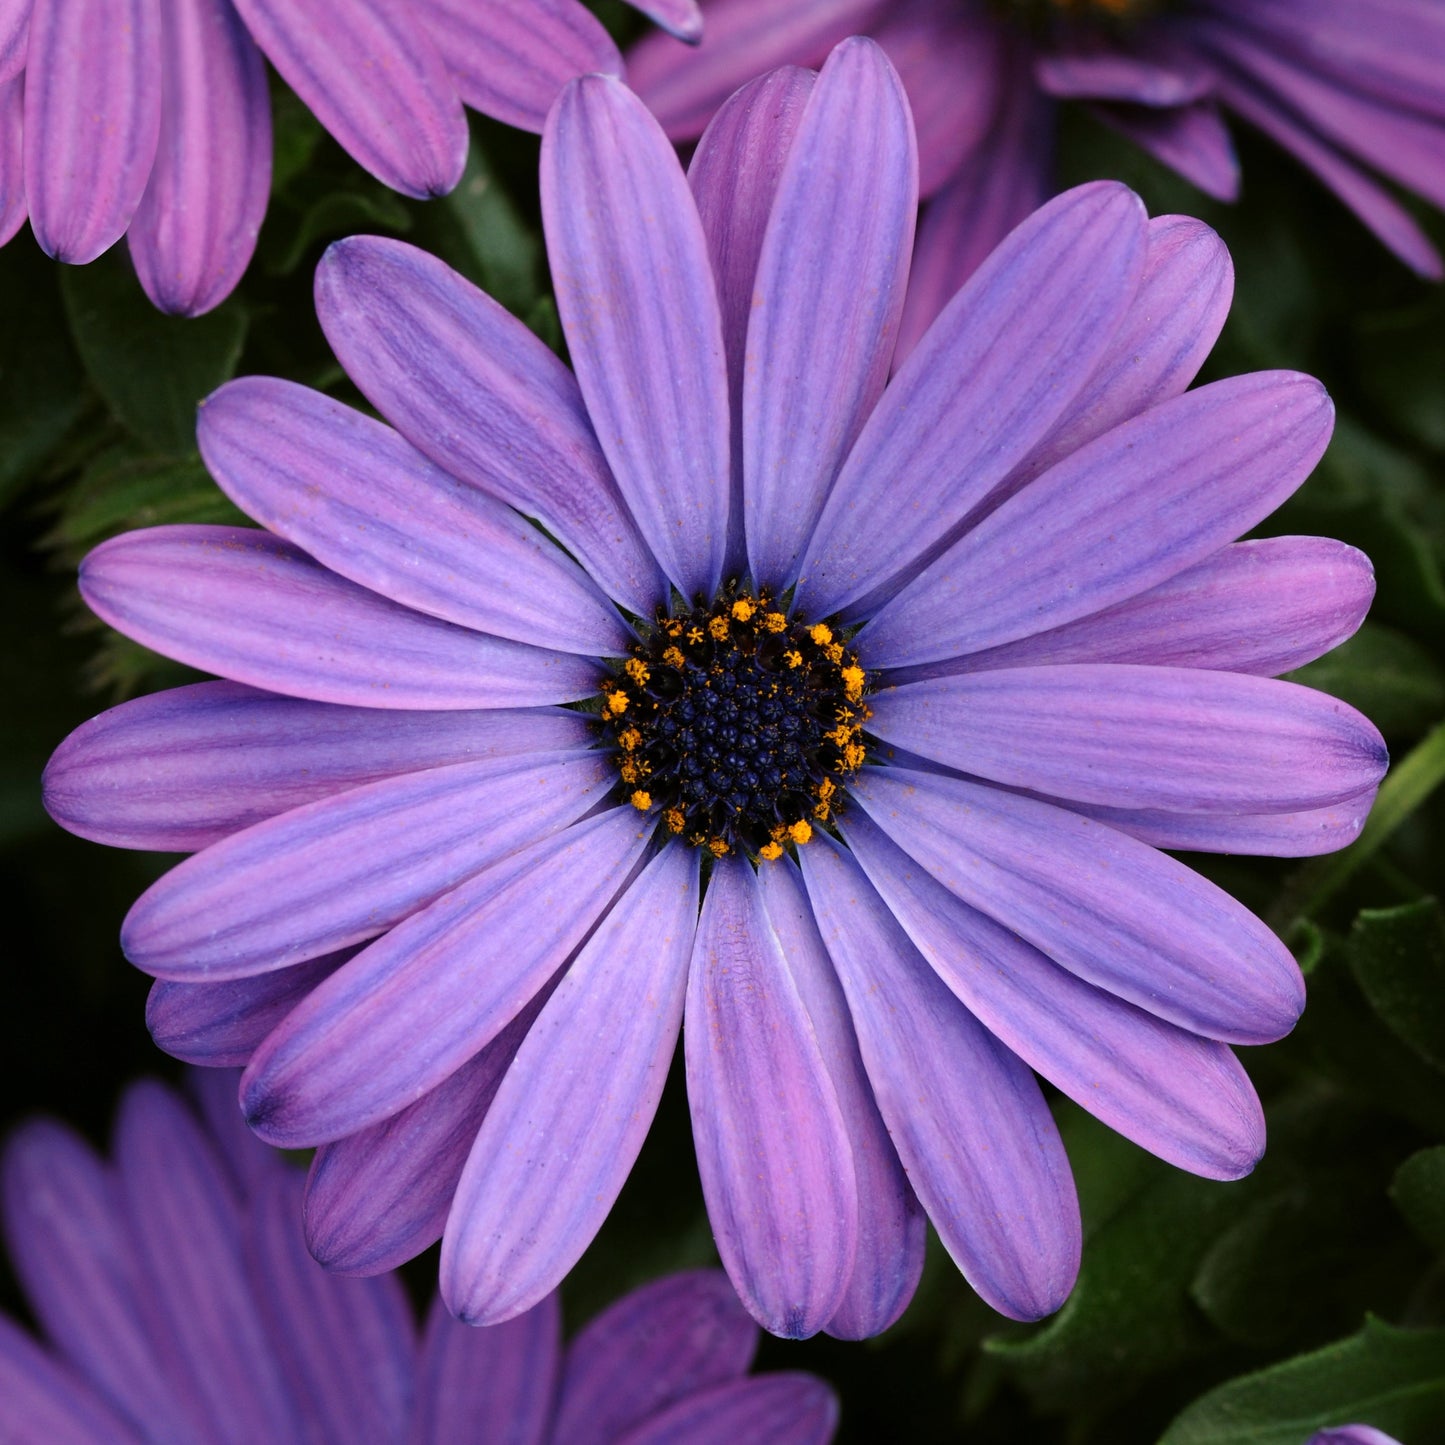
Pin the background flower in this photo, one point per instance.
(1348, 89)
(1034, 522)
(150, 118)
(178, 1304)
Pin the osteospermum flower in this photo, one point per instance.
(878, 707)
(150, 118)
(178, 1304)
(1346, 87)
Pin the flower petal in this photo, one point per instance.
(363, 502)
(377, 1198)
(14, 35)
(1115, 912)
(1262, 607)
(45, 1400)
(640, 311)
(346, 1345)
(1092, 68)
(891, 1225)
(982, 389)
(780, 1187)
(12, 158)
(1180, 739)
(371, 75)
(179, 770)
(974, 1134)
(220, 1025)
(241, 603)
(681, 18)
(1191, 139)
(661, 1343)
(92, 116)
(1130, 510)
(511, 61)
(1183, 1098)
(348, 867)
(796, 1408)
(196, 226)
(470, 387)
(496, 1385)
(570, 1116)
(411, 1009)
(829, 290)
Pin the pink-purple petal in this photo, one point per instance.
(372, 76)
(1178, 739)
(362, 501)
(49, 1403)
(891, 1225)
(14, 34)
(12, 156)
(455, 974)
(830, 283)
(1125, 513)
(92, 116)
(780, 1188)
(664, 1342)
(981, 390)
(470, 387)
(570, 1116)
(682, 18)
(1181, 1097)
(639, 307)
(1103, 71)
(511, 61)
(773, 1409)
(196, 226)
(1108, 908)
(179, 770)
(350, 866)
(1191, 139)
(245, 605)
(967, 1117)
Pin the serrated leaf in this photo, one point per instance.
(1392, 1378)
(1395, 682)
(152, 369)
(1397, 956)
(1419, 1193)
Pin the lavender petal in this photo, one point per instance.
(46, 1400)
(793, 1408)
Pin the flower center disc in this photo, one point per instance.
(737, 725)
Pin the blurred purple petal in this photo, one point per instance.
(248, 1162)
(781, 1193)
(640, 311)
(1351, 1435)
(196, 226)
(1128, 511)
(1191, 139)
(454, 974)
(488, 1387)
(48, 1403)
(1262, 607)
(346, 1345)
(1181, 1097)
(1113, 911)
(983, 388)
(216, 757)
(1179, 739)
(470, 387)
(682, 86)
(92, 116)
(830, 282)
(967, 1117)
(12, 156)
(781, 1409)
(1102, 71)
(511, 61)
(241, 603)
(14, 34)
(378, 1197)
(891, 1225)
(371, 75)
(570, 1116)
(220, 1025)
(734, 177)
(347, 867)
(681, 18)
(659, 1344)
(362, 501)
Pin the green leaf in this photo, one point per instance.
(1419, 1193)
(1392, 1378)
(152, 369)
(1402, 358)
(505, 255)
(368, 207)
(1397, 956)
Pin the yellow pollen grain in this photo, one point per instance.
(827, 788)
(853, 756)
(694, 635)
(717, 847)
(617, 702)
(641, 800)
(637, 670)
(821, 633)
(801, 831)
(673, 657)
(793, 658)
(821, 811)
(853, 679)
(718, 627)
(629, 770)
(672, 627)
(630, 739)
(743, 609)
(771, 851)
(774, 621)
(675, 820)
(834, 653)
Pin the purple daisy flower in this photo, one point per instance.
(888, 700)
(1345, 85)
(150, 118)
(179, 1305)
